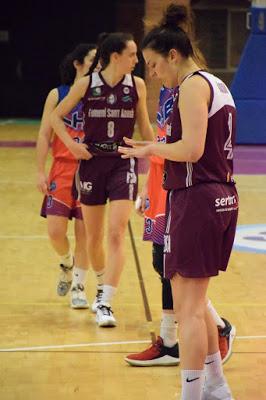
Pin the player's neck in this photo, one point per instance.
(111, 76)
(186, 68)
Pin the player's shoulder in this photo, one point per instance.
(139, 81)
(140, 86)
(52, 97)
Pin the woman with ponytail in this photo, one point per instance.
(59, 205)
(202, 201)
(151, 205)
(113, 100)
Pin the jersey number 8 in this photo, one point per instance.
(110, 129)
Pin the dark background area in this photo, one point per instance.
(35, 36)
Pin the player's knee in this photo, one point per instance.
(157, 258)
(116, 235)
(56, 233)
(94, 240)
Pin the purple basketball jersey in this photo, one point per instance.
(109, 112)
(216, 164)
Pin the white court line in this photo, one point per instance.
(69, 346)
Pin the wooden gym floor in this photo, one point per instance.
(48, 350)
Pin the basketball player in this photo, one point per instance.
(151, 205)
(113, 100)
(202, 201)
(59, 205)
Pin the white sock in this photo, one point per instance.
(79, 276)
(99, 276)
(108, 293)
(192, 384)
(67, 259)
(168, 329)
(216, 317)
(213, 369)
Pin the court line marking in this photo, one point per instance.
(119, 343)
(68, 346)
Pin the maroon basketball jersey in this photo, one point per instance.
(216, 164)
(109, 113)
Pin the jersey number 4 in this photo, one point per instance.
(228, 144)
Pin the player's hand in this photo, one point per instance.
(136, 143)
(42, 183)
(139, 149)
(141, 202)
(80, 151)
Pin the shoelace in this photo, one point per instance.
(157, 345)
(78, 287)
(105, 309)
(64, 268)
(99, 295)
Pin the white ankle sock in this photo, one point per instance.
(79, 276)
(168, 329)
(192, 384)
(108, 293)
(67, 259)
(216, 317)
(213, 369)
(99, 276)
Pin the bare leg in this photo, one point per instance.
(189, 296)
(81, 254)
(93, 217)
(57, 231)
(117, 224)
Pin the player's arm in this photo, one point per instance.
(76, 93)
(193, 105)
(44, 138)
(143, 121)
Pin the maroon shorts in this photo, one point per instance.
(102, 178)
(200, 230)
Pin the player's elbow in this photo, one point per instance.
(195, 154)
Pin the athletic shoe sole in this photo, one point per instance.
(106, 323)
(162, 361)
(79, 306)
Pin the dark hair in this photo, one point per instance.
(67, 69)
(107, 44)
(175, 31)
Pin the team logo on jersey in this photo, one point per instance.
(126, 90)
(111, 99)
(251, 238)
(127, 99)
(147, 203)
(52, 186)
(97, 91)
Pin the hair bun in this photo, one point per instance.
(174, 16)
